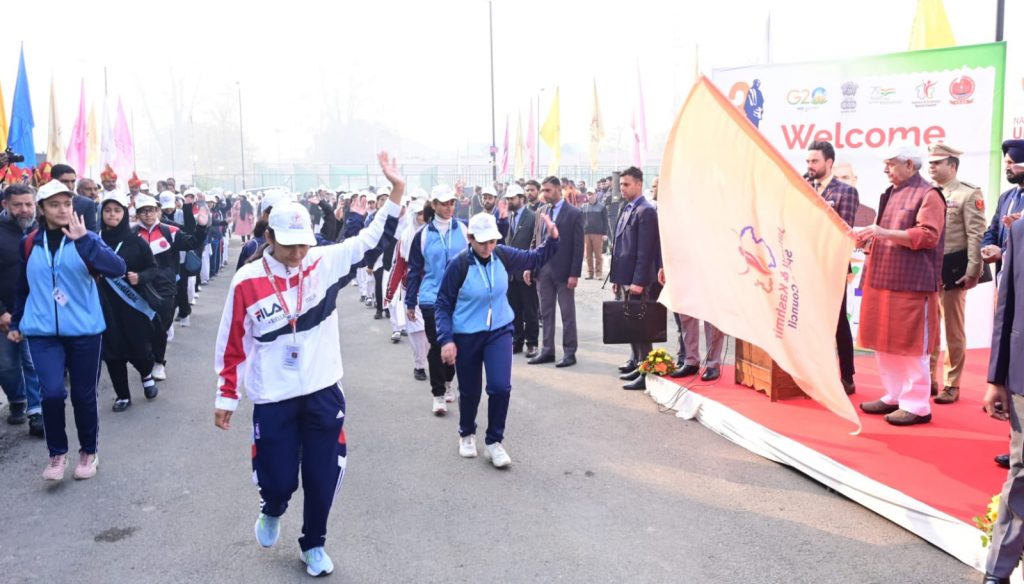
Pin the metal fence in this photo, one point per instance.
(304, 177)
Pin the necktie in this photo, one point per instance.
(624, 217)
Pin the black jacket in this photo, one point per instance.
(10, 261)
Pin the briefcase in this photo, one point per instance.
(634, 320)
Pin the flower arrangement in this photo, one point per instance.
(658, 362)
(988, 520)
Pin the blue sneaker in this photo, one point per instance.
(318, 563)
(267, 530)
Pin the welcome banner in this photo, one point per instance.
(772, 257)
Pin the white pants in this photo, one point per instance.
(227, 241)
(397, 310)
(907, 380)
(191, 289)
(204, 272)
(420, 346)
(365, 281)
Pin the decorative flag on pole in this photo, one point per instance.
(596, 130)
(517, 166)
(779, 277)
(124, 153)
(20, 139)
(92, 146)
(551, 133)
(531, 146)
(55, 144)
(3, 121)
(106, 136)
(931, 28)
(639, 124)
(76, 155)
(504, 155)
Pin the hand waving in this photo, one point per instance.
(390, 169)
(503, 208)
(76, 227)
(358, 205)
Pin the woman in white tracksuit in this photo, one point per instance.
(279, 336)
(396, 290)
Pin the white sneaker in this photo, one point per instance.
(185, 322)
(440, 408)
(159, 372)
(170, 334)
(467, 446)
(497, 455)
(449, 393)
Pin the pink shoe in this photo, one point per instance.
(87, 464)
(54, 470)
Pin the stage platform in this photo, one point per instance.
(931, 479)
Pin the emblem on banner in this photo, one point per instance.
(961, 90)
(926, 94)
(884, 95)
(849, 90)
(758, 256)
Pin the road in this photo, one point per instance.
(604, 488)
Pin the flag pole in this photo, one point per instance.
(494, 135)
(1000, 17)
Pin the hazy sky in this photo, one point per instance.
(422, 67)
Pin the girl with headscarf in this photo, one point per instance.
(130, 319)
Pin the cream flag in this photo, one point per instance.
(772, 254)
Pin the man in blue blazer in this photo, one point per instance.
(1009, 207)
(557, 280)
(636, 258)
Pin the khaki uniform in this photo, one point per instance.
(965, 226)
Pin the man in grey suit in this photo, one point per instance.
(1004, 400)
(522, 297)
(556, 281)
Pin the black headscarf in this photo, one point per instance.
(115, 235)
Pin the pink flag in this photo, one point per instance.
(76, 147)
(639, 124)
(504, 155)
(124, 152)
(531, 147)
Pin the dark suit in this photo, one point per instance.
(844, 200)
(636, 256)
(89, 211)
(1006, 368)
(996, 232)
(521, 297)
(553, 279)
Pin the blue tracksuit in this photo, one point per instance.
(472, 311)
(58, 312)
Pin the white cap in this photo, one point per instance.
(902, 150)
(484, 227)
(291, 224)
(144, 186)
(416, 206)
(442, 193)
(142, 201)
(118, 197)
(166, 199)
(385, 190)
(488, 190)
(514, 190)
(418, 194)
(269, 199)
(192, 191)
(52, 188)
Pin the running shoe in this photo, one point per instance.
(440, 408)
(267, 530)
(449, 392)
(318, 563)
(87, 465)
(159, 372)
(54, 470)
(467, 446)
(121, 405)
(497, 455)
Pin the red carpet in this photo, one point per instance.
(946, 464)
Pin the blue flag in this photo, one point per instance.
(19, 138)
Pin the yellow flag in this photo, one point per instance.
(782, 252)
(517, 165)
(931, 27)
(3, 121)
(55, 145)
(551, 133)
(92, 144)
(596, 130)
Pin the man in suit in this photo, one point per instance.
(1009, 207)
(1004, 400)
(522, 297)
(844, 200)
(85, 201)
(636, 258)
(556, 281)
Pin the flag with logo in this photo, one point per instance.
(780, 253)
(551, 132)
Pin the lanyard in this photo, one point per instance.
(118, 248)
(488, 280)
(446, 242)
(293, 318)
(54, 261)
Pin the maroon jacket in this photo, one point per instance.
(897, 267)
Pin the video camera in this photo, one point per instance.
(13, 157)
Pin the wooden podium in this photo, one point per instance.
(754, 368)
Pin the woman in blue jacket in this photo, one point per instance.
(474, 323)
(433, 247)
(58, 313)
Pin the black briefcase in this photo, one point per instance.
(635, 320)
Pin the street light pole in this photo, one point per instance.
(241, 131)
(1000, 13)
(494, 135)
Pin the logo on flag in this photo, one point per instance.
(961, 90)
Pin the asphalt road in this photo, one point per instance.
(603, 488)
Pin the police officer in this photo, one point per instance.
(965, 227)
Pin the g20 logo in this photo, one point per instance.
(816, 96)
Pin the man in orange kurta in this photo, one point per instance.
(899, 315)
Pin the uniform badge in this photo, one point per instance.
(980, 204)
